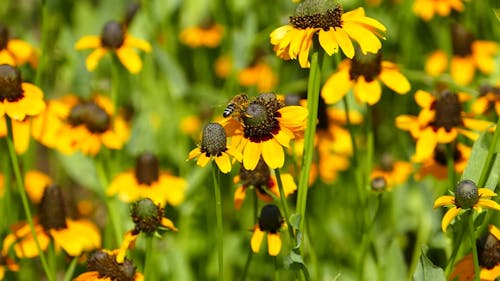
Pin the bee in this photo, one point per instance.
(236, 106)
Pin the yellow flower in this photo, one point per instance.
(148, 181)
(391, 171)
(259, 74)
(71, 124)
(426, 9)
(202, 36)
(364, 74)
(436, 165)
(440, 121)
(114, 38)
(18, 99)
(436, 63)
(223, 66)
(467, 196)
(489, 97)
(270, 222)
(21, 130)
(15, 51)
(102, 265)
(334, 28)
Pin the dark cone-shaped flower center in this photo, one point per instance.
(489, 251)
(317, 14)
(448, 111)
(147, 168)
(260, 118)
(378, 184)
(146, 216)
(107, 267)
(52, 210)
(270, 219)
(213, 141)
(4, 37)
(466, 194)
(440, 154)
(461, 40)
(113, 35)
(10, 83)
(369, 66)
(91, 115)
(258, 178)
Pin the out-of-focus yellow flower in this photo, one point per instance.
(426, 9)
(202, 36)
(259, 74)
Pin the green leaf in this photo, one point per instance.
(427, 271)
(477, 160)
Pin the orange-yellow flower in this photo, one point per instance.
(202, 36)
(437, 165)
(270, 223)
(260, 75)
(489, 98)
(15, 51)
(391, 171)
(426, 9)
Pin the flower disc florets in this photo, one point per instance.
(52, 209)
(270, 219)
(146, 215)
(260, 176)
(107, 267)
(317, 14)
(461, 41)
(113, 35)
(489, 251)
(448, 111)
(466, 194)
(10, 83)
(213, 141)
(147, 169)
(260, 118)
(369, 66)
(91, 115)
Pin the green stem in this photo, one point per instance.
(71, 269)
(489, 157)
(276, 269)
(313, 88)
(43, 47)
(24, 199)
(284, 204)
(472, 237)
(456, 248)
(147, 260)
(369, 147)
(351, 131)
(218, 212)
(250, 252)
(450, 163)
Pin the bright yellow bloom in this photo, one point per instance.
(15, 51)
(270, 223)
(334, 28)
(202, 36)
(436, 165)
(365, 77)
(426, 9)
(114, 38)
(393, 172)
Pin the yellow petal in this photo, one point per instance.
(203, 160)
(273, 244)
(194, 153)
(129, 58)
(448, 217)
(22, 50)
(424, 99)
(445, 200)
(224, 163)
(94, 58)
(239, 197)
(485, 192)
(425, 145)
(87, 42)
(436, 63)
(168, 224)
(35, 183)
(394, 80)
(344, 42)
(256, 239)
(336, 86)
(367, 41)
(21, 134)
(273, 154)
(443, 136)
(327, 41)
(368, 92)
(137, 43)
(477, 124)
(462, 69)
(487, 203)
(79, 236)
(251, 155)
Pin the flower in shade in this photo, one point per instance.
(440, 121)
(263, 127)
(334, 28)
(437, 166)
(489, 98)
(262, 182)
(114, 38)
(205, 35)
(364, 74)
(70, 124)
(488, 256)
(391, 171)
(270, 223)
(102, 265)
(258, 74)
(73, 236)
(148, 181)
(6, 263)
(467, 196)
(18, 99)
(426, 9)
(15, 51)
(21, 132)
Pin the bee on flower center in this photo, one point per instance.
(236, 106)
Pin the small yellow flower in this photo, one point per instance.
(15, 52)
(270, 222)
(334, 28)
(114, 38)
(467, 196)
(259, 74)
(489, 98)
(202, 36)
(437, 165)
(426, 9)
(393, 172)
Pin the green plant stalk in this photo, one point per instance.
(148, 254)
(313, 89)
(276, 269)
(42, 59)
(284, 204)
(71, 269)
(218, 213)
(472, 237)
(24, 198)
(351, 132)
(489, 157)
(456, 248)
(450, 163)
(250, 252)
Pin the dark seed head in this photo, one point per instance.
(369, 66)
(213, 141)
(448, 111)
(317, 14)
(10, 83)
(466, 194)
(146, 215)
(96, 119)
(260, 118)
(258, 177)
(462, 40)
(52, 209)
(4, 37)
(270, 219)
(147, 168)
(107, 267)
(113, 35)
(489, 251)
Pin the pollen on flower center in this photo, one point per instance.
(270, 219)
(147, 169)
(313, 17)
(113, 35)
(461, 41)
(466, 194)
(448, 111)
(107, 267)
(52, 210)
(260, 118)
(213, 141)
(96, 119)
(369, 66)
(10, 83)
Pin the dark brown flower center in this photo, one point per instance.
(270, 219)
(461, 41)
(260, 177)
(489, 251)
(260, 118)
(146, 216)
(113, 35)
(448, 111)
(91, 115)
(308, 16)
(213, 141)
(487, 88)
(440, 154)
(10, 83)
(52, 212)
(107, 267)
(323, 120)
(147, 169)
(369, 66)
(4, 37)
(466, 194)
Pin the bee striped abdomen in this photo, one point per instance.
(229, 110)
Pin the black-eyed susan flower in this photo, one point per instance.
(393, 172)
(440, 121)
(270, 223)
(214, 146)
(6, 263)
(259, 74)
(488, 256)
(364, 74)
(18, 99)
(467, 196)
(15, 51)
(262, 182)
(114, 38)
(148, 181)
(489, 98)
(437, 165)
(21, 133)
(263, 128)
(71, 124)
(206, 35)
(102, 265)
(334, 28)
(73, 236)
(426, 9)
